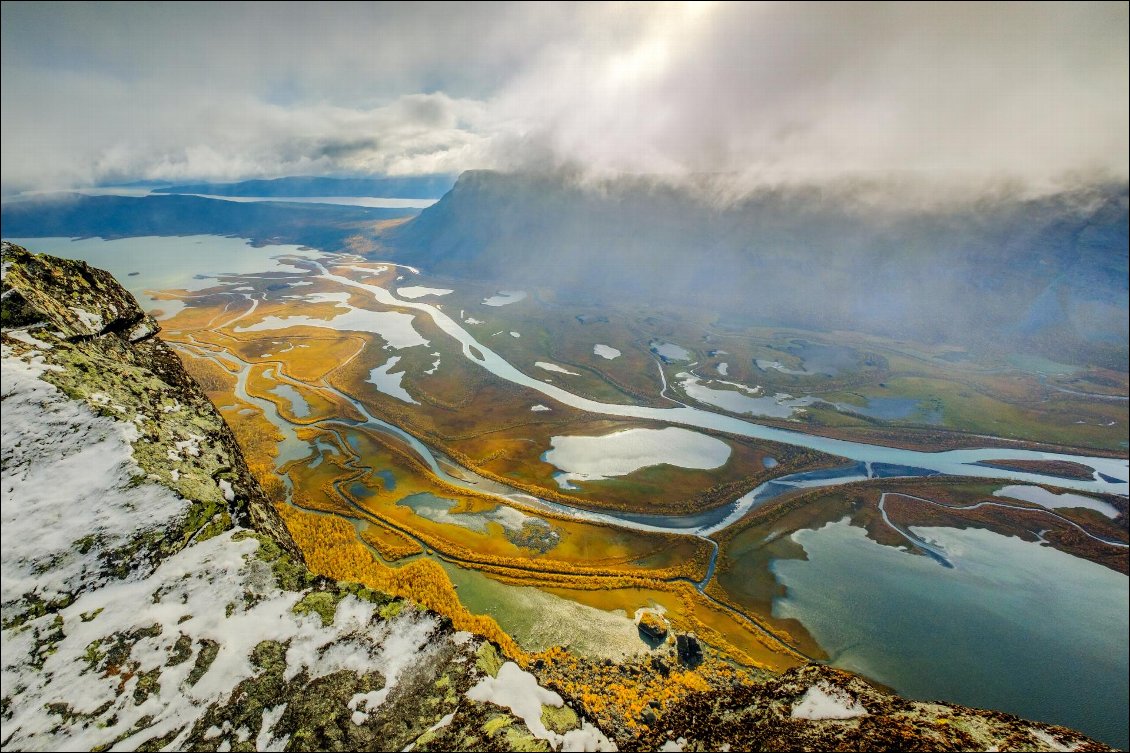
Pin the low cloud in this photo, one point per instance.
(764, 93)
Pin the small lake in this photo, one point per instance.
(394, 327)
(389, 382)
(538, 619)
(1014, 625)
(669, 351)
(581, 458)
(546, 366)
(894, 409)
(605, 351)
(824, 359)
(765, 365)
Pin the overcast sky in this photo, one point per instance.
(773, 92)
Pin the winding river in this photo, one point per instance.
(817, 587)
(178, 268)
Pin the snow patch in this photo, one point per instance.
(1051, 740)
(515, 689)
(141, 330)
(225, 487)
(26, 337)
(264, 740)
(822, 701)
(67, 475)
(93, 322)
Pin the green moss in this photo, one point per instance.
(31, 607)
(495, 724)
(524, 741)
(147, 683)
(215, 527)
(390, 610)
(268, 550)
(560, 720)
(269, 656)
(322, 603)
(423, 740)
(291, 576)
(181, 651)
(208, 651)
(83, 545)
(367, 594)
(93, 655)
(488, 659)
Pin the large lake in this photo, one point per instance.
(1014, 625)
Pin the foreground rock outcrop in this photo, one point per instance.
(152, 597)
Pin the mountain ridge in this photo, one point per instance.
(1049, 273)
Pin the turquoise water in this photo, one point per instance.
(1014, 626)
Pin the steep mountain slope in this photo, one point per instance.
(1047, 274)
(152, 598)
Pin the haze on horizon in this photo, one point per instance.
(104, 92)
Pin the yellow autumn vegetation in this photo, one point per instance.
(392, 545)
(618, 694)
(331, 548)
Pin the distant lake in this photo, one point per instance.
(1014, 626)
(152, 263)
(354, 201)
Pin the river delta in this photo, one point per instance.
(682, 470)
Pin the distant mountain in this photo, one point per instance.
(323, 226)
(1047, 273)
(408, 187)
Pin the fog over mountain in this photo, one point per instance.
(1046, 273)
